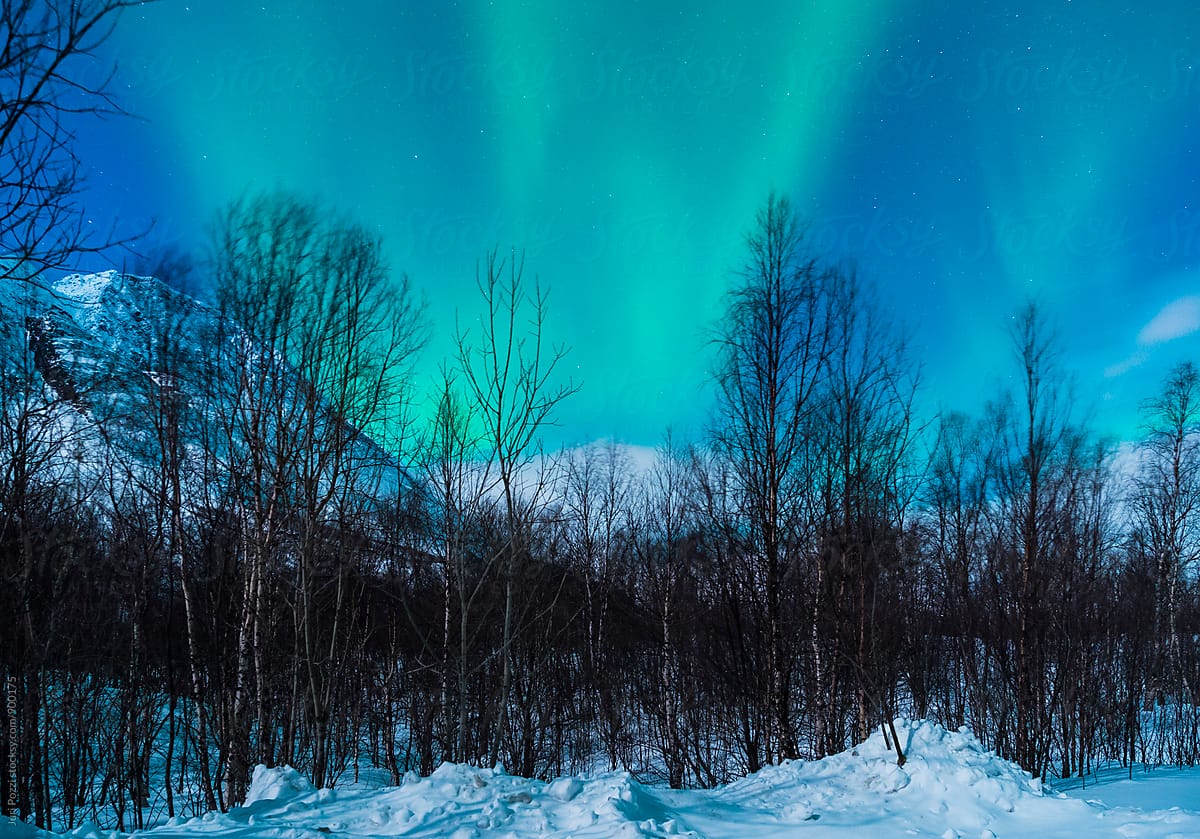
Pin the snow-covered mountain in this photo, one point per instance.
(91, 327)
(102, 354)
(80, 355)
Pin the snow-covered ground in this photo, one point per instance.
(950, 787)
(1159, 788)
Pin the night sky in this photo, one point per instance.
(965, 157)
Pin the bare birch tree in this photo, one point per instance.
(48, 87)
(510, 374)
(772, 345)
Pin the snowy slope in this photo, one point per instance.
(96, 344)
(950, 787)
(91, 341)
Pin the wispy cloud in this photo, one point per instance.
(1179, 318)
(1176, 319)
(1123, 367)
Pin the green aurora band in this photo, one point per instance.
(964, 158)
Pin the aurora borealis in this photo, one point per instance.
(965, 156)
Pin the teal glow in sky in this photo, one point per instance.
(967, 156)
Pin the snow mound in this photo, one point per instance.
(282, 783)
(10, 828)
(950, 786)
(948, 782)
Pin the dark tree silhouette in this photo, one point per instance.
(48, 82)
(772, 346)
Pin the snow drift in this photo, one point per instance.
(950, 787)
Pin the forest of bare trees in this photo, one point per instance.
(293, 566)
(254, 548)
